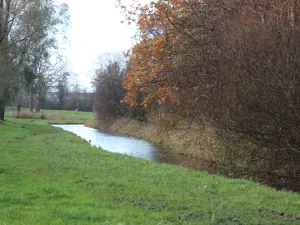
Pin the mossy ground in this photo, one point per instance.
(49, 176)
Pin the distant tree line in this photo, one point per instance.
(82, 101)
(62, 95)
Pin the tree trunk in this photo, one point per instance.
(31, 102)
(18, 110)
(38, 106)
(2, 109)
(61, 104)
(294, 13)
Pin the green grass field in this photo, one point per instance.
(49, 176)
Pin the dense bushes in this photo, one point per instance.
(259, 112)
(234, 64)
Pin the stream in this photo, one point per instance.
(133, 147)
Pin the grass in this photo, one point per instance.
(54, 116)
(49, 176)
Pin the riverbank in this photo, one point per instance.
(48, 175)
(190, 139)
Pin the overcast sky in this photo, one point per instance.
(96, 28)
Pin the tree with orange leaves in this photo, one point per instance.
(178, 55)
(154, 62)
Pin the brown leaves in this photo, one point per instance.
(153, 60)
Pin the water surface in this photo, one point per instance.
(132, 146)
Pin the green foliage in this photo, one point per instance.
(48, 176)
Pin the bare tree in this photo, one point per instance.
(62, 89)
(109, 97)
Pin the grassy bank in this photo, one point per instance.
(184, 137)
(49, 176)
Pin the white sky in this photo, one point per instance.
(95, 28)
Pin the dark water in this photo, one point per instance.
(133, 146)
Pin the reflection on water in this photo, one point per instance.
(132, 146)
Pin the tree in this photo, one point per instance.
(62, 89)
(40, 53)
(165, 63)
(76, 91)
(8, 69)
(109, 96)
(27, 29)
(153, 58)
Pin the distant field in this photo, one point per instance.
(10, 109)
(49, 176)
(53, 116)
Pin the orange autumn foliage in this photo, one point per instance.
(154, 59)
